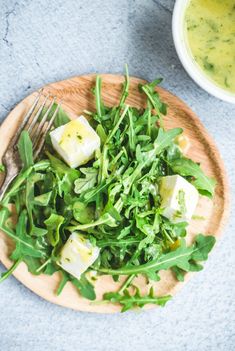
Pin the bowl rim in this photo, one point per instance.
(186, 58)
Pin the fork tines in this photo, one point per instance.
(38, 121)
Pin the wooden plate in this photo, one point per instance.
(77, 96)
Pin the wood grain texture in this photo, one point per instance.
(76, 95)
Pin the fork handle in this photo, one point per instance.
(6, 182)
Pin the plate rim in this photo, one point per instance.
(202, 129)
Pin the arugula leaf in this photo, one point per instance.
(43, 199)
(29, 195)
(106, 219)
(179, 229)
(53, 224)
(63, 282)
(61, 117)
(129, 301)
(131, 131)
(186, 167)
(85, 288)
(51, 268)
(99, 102)
(36, 231)
(102, 134)
(200, 255)
(83, 213)
(25, 245)
(117, 125)
(5, 214)
(15, 186)
(125, 91)
(83, 184)
(143, 225)
(180, 258)
(164, 139)
(25, 149)
(153, 96)
(179, 273)
(65, 175)
(203, 245)
(33, 264)
(6, 274)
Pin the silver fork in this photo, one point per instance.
(37, 131)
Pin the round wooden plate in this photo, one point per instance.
(76, 96)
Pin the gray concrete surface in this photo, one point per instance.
(42, 41)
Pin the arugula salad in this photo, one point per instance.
(110, 195)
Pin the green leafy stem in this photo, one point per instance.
(179, 258)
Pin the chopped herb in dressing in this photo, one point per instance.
(181, 201)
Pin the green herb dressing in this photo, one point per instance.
(210, 29)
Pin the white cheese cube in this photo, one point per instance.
(75, 142)
(179, 198)
(77, 255)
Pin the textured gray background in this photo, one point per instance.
(42, 41)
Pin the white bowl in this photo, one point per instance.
(186, 57)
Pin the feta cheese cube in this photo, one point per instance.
(179, 198)
(75, 141)
(77, 255)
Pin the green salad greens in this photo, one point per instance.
(113, 200)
